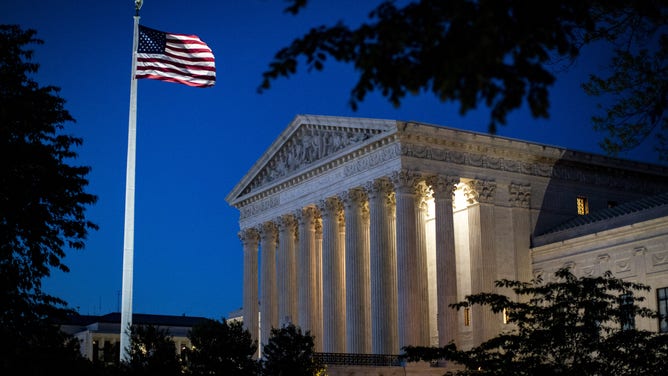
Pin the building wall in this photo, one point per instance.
(509, 192)
(636, 253)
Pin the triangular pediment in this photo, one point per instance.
(308, 141)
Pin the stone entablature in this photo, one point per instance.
(366, 148)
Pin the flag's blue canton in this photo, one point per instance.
(151, 41)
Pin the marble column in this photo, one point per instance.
(421, 208)
(317, 331)
(480, 195)
(358, 294)
(333, 278)
(286, 270)
(446, 264)
(520, 202)
(383, 268)
(413, 310)
(268, 287)
(250, 239)
(306, 276)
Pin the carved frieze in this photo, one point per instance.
(660, 258)
(545, 167)
(658, 261)
(623, 266)
(308, 144)
(588, 271)
(258, 207)
(372, 160)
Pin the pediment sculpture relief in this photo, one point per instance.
(307, 145)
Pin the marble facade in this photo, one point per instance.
(363, 231)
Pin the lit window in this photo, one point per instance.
(583, 205)
(662, 300)
(467, 316)
(628, 317)
(506, 317)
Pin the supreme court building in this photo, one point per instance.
(363, 231)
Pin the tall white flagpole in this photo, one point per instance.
(128, 241)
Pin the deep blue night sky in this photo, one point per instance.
(194, 145)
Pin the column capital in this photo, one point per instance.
(330, 207)
(268, 231)
(480, 191)
(306, 216)
(355, 197)
(378, 187)
(443, 185)
(249, 236)
(318, 227)
(520, 195)
(366, 213)
(405, 181)
(422, 193)
(286, 222)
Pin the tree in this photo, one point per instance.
(638, 82)
(152, 352)
(501, 54)
(42, 208)
(221, 348)
(572, 326)
(289, 352)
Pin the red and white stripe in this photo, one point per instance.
(187, 60)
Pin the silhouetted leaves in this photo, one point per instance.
(152, 352)
(569, 326)
(222, 348)
(289, 352)
(501, 55)
(42, 206)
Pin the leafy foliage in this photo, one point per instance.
(42, 205)
(500, 54)
(152, 352)
(289, 352)
(639, 84)
(221, 348)
(572, 326)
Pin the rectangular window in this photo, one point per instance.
(628, 317)
(467, 316)
(662, 300)
(583, 205)
(506, 318)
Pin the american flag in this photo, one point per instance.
(180, 58)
